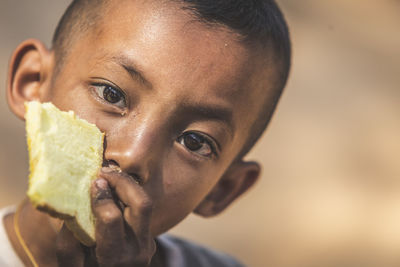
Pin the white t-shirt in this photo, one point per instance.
(8, 257)
(178, 252)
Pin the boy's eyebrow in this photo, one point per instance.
(132, 68)
(213, 112)
(207, 111)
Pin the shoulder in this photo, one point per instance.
(181, 253)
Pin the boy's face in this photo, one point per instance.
(175, 98)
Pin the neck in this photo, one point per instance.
(38, 231)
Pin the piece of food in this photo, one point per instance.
(65, 155)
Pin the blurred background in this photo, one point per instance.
(330, 188)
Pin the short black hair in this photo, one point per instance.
(256, 21)
(78, 18)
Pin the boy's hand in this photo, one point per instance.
(122, 237)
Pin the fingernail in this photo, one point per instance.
(101, 183)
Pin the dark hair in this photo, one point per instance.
(260, 22)
(256, 21)
(79, 17)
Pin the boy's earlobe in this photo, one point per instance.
(29, 69)
(239, 177)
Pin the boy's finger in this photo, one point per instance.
(139, 205)
(128, 190)
(69, 251)
(110, 233)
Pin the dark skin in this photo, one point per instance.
(173, 98)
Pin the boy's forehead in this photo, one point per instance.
(153, 33)
(179, 55)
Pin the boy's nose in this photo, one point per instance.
(136, 147)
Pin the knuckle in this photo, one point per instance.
(110, 217)
(145, 206)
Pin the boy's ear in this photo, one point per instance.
(239, 177)
(29, 70)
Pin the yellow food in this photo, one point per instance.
(65, 155)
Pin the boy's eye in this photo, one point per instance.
(197, 143)
(110, 94)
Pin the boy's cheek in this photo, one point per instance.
(75, 99)
(179, 198)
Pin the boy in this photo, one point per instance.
(182, 89)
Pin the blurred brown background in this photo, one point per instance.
(330, 191)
